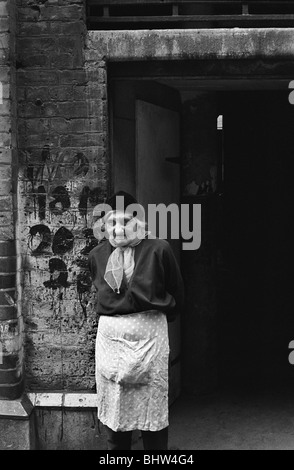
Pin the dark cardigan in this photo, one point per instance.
(156, 283)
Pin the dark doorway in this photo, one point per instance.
(255, 319)
(250, 214)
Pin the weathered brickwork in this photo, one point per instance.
(63, 174)
(11, 363)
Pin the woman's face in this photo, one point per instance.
(120, 227)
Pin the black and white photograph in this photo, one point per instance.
(146, 206)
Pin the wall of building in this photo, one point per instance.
(11, 363)
(63, 172)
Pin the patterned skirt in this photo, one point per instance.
(132, 353)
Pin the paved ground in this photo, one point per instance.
(237, 420)
(233, 420)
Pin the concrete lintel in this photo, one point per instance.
(63, 399)
(20, 408)
(183, 44)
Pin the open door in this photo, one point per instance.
(158, 181)
(145, 142)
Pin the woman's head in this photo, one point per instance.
(121, 221)
(122, 228)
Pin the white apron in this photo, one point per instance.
(132, 354)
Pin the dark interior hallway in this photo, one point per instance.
(253, 406)
(255, 313)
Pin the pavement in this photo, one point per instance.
(233, 420)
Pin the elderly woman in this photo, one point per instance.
(139, 288)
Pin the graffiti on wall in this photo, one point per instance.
(57, 187)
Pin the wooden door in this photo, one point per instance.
(145, 132)
(158, 181)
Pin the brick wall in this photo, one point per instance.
(63, 171)
(11, 366)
